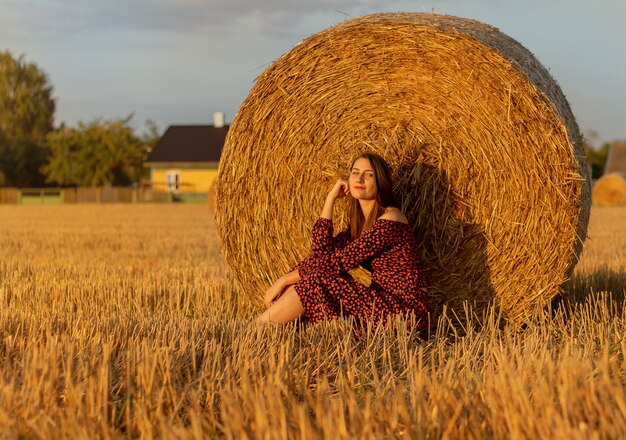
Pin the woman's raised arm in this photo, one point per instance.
(341, 189)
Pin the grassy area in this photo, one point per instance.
(123, 321)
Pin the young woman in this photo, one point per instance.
(379, 238)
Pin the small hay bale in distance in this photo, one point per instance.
(486, 154)
(609, 190)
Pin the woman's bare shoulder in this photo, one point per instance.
(394, 214)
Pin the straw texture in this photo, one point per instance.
(486, 154)
(610, 190)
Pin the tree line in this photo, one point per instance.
(33, 152)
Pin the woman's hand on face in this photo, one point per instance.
(341, 189)
(272, 294)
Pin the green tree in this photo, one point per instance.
(96, 153)
(26, 118)
(597, 158)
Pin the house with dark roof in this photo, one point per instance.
(186, 158)
(616, 159)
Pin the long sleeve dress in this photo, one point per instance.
(388, 250)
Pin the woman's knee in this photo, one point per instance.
(264, 318)
(285, 309)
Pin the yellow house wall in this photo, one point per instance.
(193, 180)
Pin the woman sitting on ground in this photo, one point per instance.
(379, 239)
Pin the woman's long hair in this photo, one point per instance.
(384, 195)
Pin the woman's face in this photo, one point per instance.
(362, 180)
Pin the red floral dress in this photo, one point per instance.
(388, 250)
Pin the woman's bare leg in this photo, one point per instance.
(285, 309)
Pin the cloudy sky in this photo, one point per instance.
(178, 61)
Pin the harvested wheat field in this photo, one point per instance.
(121, 321)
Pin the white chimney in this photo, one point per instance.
(218, 119)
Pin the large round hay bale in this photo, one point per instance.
(609, 190)
(486, 154)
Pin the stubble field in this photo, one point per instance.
(122, 321)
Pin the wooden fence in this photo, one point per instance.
(81, 195)
(8, 195)
(113, 195)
